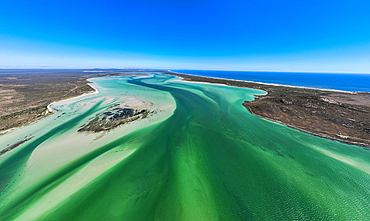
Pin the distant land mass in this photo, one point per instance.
(350, 82)
(331, 114)
(161, 145)
(343, 116)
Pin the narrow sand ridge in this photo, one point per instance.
(200, 155)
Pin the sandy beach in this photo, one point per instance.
(195, 153)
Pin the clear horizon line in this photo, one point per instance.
(181, 69)
(289, 71)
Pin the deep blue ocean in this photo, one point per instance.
(344, 82)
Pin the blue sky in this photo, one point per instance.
(318, 36)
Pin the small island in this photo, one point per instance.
(117, 115)
(337, 115)
(153, 141)
(25, 94)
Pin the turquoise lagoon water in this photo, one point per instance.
(200, 156)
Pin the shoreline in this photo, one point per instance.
(50, 111)
(200, 82)
(272, 84)
(287, 120)
(96, 91)
(306, 131)
(272, 91)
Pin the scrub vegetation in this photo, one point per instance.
(25, 94)
(201, 156)
(330, 114)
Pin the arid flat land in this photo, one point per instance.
(330, 114)
(341, 116)
(160, 148)
(25, 94)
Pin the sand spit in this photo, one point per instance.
(96, 91)
(50, 110)
(202, 156)
(272, 84)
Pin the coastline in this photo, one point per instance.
(96, 91)
(274, 106)
(280, 105)
(50, 111)
(70, 158)
(271, 84)
(200, 82)
(310, 132)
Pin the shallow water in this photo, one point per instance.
(201, 156)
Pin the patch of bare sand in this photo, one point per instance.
(359, 98)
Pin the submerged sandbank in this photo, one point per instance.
(202, 156)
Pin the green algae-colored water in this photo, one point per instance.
(200, 156)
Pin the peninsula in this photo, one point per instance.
(336, 115)
(25, 94)
(155, 147)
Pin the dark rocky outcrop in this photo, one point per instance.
(114, 117)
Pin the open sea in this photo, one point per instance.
(343, 82)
